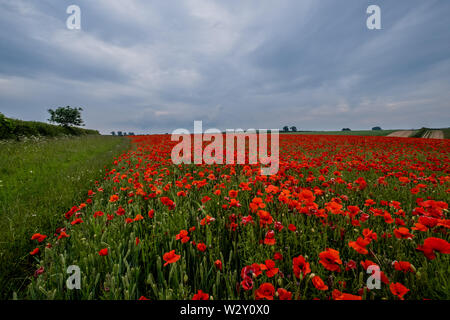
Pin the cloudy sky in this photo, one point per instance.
(154, 66)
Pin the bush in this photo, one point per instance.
(419, 133)
(6, 126)
(13, 128)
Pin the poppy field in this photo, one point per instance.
(341, 212)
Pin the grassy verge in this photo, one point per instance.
(40, 179)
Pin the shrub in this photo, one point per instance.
(13, 128)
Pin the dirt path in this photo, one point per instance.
(434, 134)
(401, 133)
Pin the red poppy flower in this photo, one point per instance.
(103, 252)
(404, 266)
(200, 295)
(205, 199)
(432, 244)
(277, 256)
(170, 257)
(35, 251)
(183, 236)
(206, 220)
(76, 221)
(120, 211)
(218, 264)
(398, 289)
(359, 245)
(319, 284)
(283, 294)
(270, 238)
(330, 260)
(265, 291)
(299, 265)
(168, 203)
(247, 283)
(63, 235)
(98, 214)
(113, 198)
(369, 235)
(39, 237)
(350, 265)
(256, 204)
(233, 193)
(270, 269)
(201, 247)
(403, 233)
(264, 218)
(337, 295)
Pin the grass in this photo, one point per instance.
(378, 133)
(40, 179)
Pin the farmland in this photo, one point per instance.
(338, 206)
(380, 133)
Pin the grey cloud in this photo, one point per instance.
(153, 66)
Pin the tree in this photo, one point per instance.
(285, 128)
(119, 133)
(66, 116)
(6, 126)
(294, 129)
(346, 129)
(376, 128)
(113, 133)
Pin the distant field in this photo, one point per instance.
(39, 180)
(378, 133)
(420, 133)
